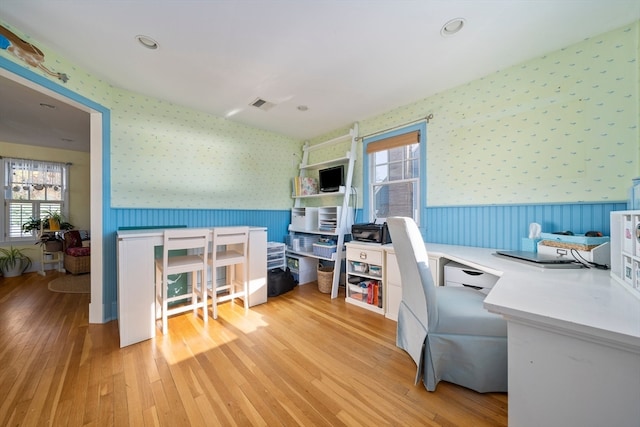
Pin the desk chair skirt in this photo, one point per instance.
(446, 330)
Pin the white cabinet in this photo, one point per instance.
(393, 283)
(136, 286)
(436, 266)
(304, 218)
(365, 286)
(393, 280)
(625, 249)
(257, 255)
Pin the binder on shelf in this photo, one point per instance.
(304, 186)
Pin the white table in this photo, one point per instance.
(573, 340)
(136, 283)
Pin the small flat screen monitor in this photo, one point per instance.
(331, 179)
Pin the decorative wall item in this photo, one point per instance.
(26, 52)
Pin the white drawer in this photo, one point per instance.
(459, 275)
(364, 255)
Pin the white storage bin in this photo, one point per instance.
(304, 219)
(461, 275)
(359, 267)
(324, 250)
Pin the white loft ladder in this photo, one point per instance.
(343, 227)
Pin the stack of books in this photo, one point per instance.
(374, 293)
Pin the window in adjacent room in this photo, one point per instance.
(32, 188)
(393, 171)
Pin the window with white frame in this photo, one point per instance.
(394, 176)
(31, 189)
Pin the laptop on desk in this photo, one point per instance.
(533, 258)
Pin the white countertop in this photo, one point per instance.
(158, 232)
(584, 302)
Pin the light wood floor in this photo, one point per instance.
(300, 359)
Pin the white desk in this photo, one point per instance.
(136, 283)
(573, 340)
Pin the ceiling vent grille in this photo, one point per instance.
(262, 104)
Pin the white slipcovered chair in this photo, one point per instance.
(446, 330)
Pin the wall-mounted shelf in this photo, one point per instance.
(328, 163)
(341, 192)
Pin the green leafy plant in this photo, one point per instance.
(13, 261)
(34, 223)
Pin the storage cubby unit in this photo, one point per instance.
(304, 269)
(304, 218)
(625, 249)
(276, 255)
(365, 286)
(319, 231)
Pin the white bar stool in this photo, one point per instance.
(196, 242)
(229, 249)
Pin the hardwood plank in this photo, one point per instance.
(300, 359)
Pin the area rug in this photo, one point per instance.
(70, 284)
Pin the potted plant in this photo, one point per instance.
(13, 261)
(35, 224)
(52, 241)
(53, 220)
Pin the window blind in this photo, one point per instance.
(394, 141)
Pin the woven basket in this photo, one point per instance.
(77, 264)
(325, 279)
(566, 245)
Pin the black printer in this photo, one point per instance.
(371, 232)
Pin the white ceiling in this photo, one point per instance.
(347, 60)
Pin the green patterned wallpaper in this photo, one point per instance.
(167, 156)
(556, 129)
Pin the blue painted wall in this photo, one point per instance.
(276, 221)
(503, 227)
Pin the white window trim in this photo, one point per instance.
(422, 179)
(4, 215)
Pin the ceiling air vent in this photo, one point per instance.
(262, 104)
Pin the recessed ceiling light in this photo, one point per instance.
(302, 108)
(147, 42)
(452, 27)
